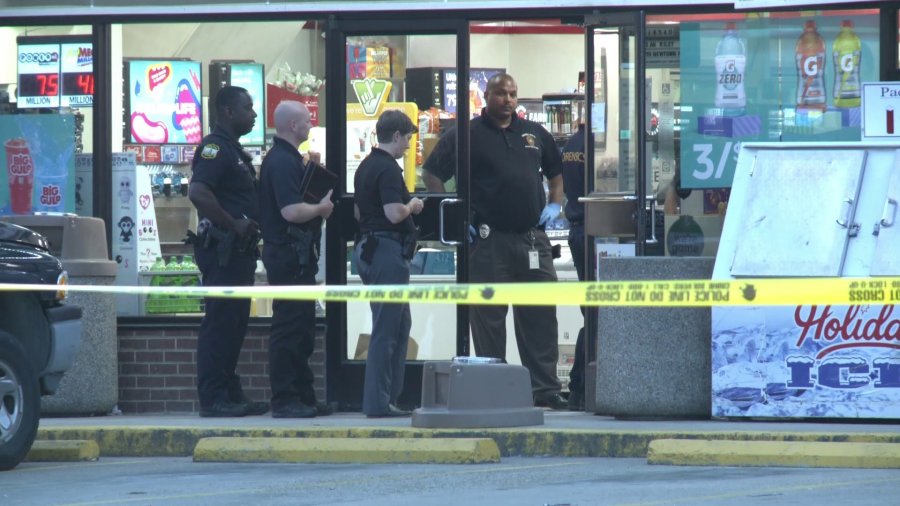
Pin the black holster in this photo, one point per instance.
(410, 244)
(367, 253)
(224, 243)
(307, 248)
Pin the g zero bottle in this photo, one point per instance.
(731, 61)
(810, 58)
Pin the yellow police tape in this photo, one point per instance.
(683, 293)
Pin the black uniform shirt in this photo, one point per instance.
(280, 176)
(222, 164)
(507, 168)
(573, 176)
(379, 181)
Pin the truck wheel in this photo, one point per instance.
(20, 402)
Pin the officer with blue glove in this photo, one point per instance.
(511, 157)
(551, 212)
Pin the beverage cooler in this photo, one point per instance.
(562, 115)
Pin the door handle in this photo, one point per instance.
(889, 213)
(847, 208)
(441, 221)
(651, 200)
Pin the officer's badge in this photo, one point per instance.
(530, 141)
(210, 151)
(484, 231)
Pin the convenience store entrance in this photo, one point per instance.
(435, 70)
(388, 64)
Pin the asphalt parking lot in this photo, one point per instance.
(553, 481)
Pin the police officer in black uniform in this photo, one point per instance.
(510, 158)
(224, 190)
(386, 244)
(291, 230)
(573, 182)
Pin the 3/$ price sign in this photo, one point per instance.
(715, 163)
(55, 72)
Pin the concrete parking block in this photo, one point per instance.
(693, 452)
(64, 451)
(343, 450)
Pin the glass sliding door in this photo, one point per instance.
(389, 66)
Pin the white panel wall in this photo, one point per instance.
(540, 63)
(545, 63)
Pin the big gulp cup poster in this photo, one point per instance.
(164, 102)
(38, 163)
(791, 78)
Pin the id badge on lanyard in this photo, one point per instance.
(534, 261)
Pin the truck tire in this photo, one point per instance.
(20, 402)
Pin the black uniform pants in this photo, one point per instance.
(576, 375)
(292, 337)
(386, 359)
(223, 327)
(504, 257)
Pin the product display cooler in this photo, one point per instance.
(563, 113)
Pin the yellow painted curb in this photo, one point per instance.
(358, 450)
(686, 452)
(178, 441)
(63, 451)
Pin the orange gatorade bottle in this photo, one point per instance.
(810, 57)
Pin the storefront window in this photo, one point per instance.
(46, 94)
(171, 74)
(716, 81)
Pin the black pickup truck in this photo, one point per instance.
(39, 336)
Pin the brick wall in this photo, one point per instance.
(158, 367)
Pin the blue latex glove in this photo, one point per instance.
(472, 234)
(550, 212)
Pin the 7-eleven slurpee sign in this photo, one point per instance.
(372, 94)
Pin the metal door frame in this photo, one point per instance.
(625, 21)
(345, 377)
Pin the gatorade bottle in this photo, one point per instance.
(810, 57)
(731, 60)
(189, 278)
(171, 301)
(151, 304)
(179, 301)
(846, 52)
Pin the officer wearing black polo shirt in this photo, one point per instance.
(573, 182)
(291, 230)
(386, 244)
(224, 190)
(510, 158)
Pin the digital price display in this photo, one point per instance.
(38, 84)
(55, 72)
(77, 75)
(78, 83)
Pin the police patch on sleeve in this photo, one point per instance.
(210, 151)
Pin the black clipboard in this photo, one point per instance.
(317, 181)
